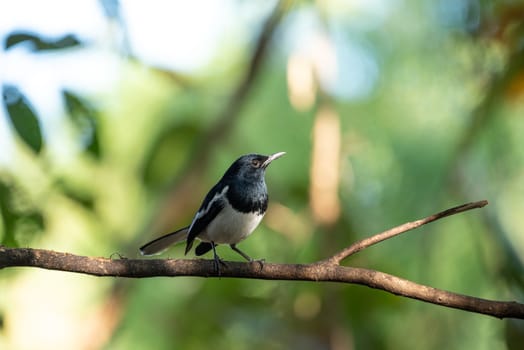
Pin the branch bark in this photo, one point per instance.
(328, 270)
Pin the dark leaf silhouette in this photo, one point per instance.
(84, 117)
(23, 117)
(39, 43)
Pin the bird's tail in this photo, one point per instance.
(160, 244)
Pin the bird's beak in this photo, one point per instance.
(272, 158)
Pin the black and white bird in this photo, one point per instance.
(230, 212)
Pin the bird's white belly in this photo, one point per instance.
(230, 226)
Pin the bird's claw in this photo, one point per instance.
(217, 262)
(259, 261)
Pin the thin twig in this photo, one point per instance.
(379, 237)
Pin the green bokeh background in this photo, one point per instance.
(442, 126)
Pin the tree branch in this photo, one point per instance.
(395, 231)
(327, 270)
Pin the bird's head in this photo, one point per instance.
(251, 167)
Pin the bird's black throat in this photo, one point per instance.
(248, 197)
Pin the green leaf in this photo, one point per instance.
(84, 117)
(22, 116)
(41, 44)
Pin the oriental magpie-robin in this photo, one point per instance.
(229, 213)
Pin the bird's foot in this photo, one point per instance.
(217, 261)
(260, 262)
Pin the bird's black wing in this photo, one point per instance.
(214, 202)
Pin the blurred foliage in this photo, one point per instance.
(439, 124)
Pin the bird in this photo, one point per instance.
(229, 213)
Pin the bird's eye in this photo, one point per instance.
(256, 163)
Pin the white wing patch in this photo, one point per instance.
(205, 210)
